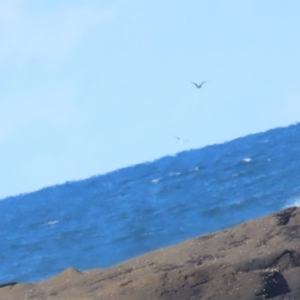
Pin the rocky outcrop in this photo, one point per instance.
(259, 259)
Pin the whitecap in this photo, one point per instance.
(156, 180)
(174, 173)
(293, 202)
(247, 159)
(52, 222)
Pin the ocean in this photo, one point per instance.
(106, 219)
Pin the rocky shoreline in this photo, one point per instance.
(258, 259)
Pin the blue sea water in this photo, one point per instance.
(109, 218)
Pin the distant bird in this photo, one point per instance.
(181, 140)
(199, 86)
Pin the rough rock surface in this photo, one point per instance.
(259, 259)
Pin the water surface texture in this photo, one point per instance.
(109, 218)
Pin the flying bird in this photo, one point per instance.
(181, 140)
(198, 85)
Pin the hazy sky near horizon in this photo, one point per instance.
(90, 86)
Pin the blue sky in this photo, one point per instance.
(87, 87)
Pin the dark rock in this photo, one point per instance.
(284, 216)
(7, 284)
